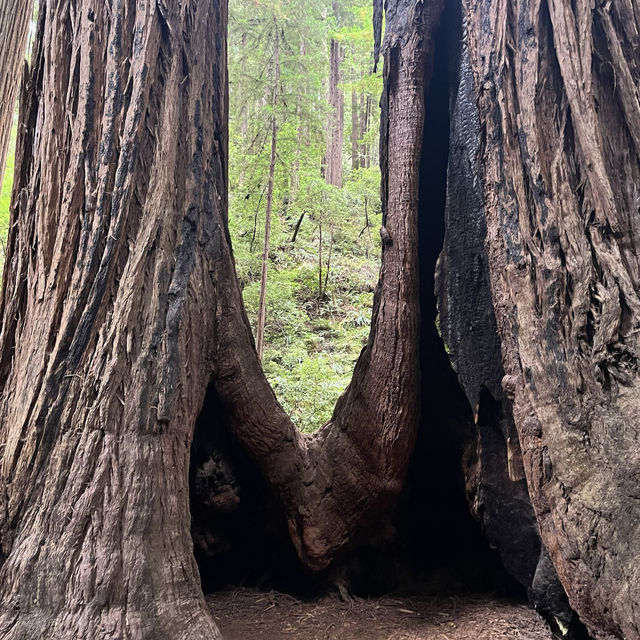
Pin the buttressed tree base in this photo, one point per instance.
(121, 311)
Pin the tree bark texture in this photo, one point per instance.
(118, 230)
(493, 464)
(120, 307)
(14, 27)
(559, 121)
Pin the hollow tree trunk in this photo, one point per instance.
(14, 27)
(107, 338)
(339, 482)
(559, 121)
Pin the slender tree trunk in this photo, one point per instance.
(118, 225)
(297, 227)
(365, 120)
(295, 170)
(355, 132)
(262, 311)
(333, 156)
(319, 261)
(15, 16)
(328, 271)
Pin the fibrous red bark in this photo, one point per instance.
(338, 482)
(121, 306)
(556, 85)
(118, 217)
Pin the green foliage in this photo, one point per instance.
(317, 323)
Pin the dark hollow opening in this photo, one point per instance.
(441, 538)
(239, 531)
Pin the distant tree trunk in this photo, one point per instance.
(262, 310)
(15, 16)
(319, 261)
(295, 170)
(355, 132)
(296, 229)
(328, 271)
(365, 119)
(333, 156)
(107, 335)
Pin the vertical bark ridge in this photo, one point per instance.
(106, 343)
(14, 28)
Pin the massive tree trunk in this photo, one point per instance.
(551, 141)
(14, 27)
(121, 311)
(107, 336)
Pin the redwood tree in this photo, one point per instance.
(118, 218)
(120, 308)
(551, 134)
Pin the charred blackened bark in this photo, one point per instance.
(556, 86)
(118, 219)
(496, 485)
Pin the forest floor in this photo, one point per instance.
(245, 614)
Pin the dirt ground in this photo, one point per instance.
(251, 615)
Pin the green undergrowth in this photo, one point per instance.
(5, 195)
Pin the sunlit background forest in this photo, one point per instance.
(303, 135)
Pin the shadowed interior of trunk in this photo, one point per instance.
(238, 527)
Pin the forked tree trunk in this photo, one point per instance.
(118, 229)
(121, 304)
(14, 27)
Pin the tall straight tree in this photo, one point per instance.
(335, 129)
(262, 312)
(14, 27)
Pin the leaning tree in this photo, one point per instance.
(121, 311)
